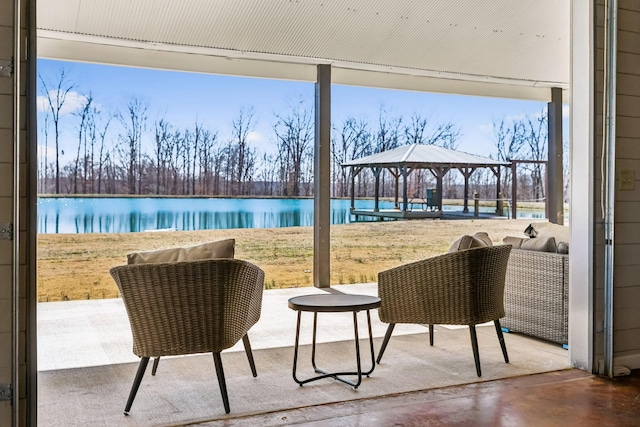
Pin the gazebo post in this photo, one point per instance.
(397, 176)
(376, 194)
(439, 191)
(514, 189)
(404, 189)
(496, 172)
(466, 173)
(353, 188)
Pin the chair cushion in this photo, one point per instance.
(515, 242)
(540, 244)
(467, 242)
(484, 237)
(218, 249)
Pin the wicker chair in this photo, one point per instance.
(458, 288)
(190, 307)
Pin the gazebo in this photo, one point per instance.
(402, 161)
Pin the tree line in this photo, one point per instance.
(128, 152)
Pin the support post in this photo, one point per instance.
(441, 172)
(555, 184)
(476, 205)
(514, 189)
(499, 196)
(466, 173)
(376, 195)
(322, 179)
(396, 176)
(404, 189)
(353, 189)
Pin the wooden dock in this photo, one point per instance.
(396, 214)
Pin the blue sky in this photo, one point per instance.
(216, 100)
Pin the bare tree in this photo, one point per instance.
(134, 123)
(84, 115)
(102, 155)
(208, 143)
(162, 135)
(56, 96)
(244, 155)
(386, 137)
(44, 164)
(294, 133)
(352, 141)
(509, 141)
(267, 173)
(536, 138)
(443, 134)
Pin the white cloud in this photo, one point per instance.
(565, 110)
(486, 129)
(49, 151)
(255, 136)
(515, 118)
(73, 102)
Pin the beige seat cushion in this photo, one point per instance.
(467, 242)
(515, 242)
(218, 249)
(484, 236)
(541, 244)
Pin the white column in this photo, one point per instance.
(581, 265)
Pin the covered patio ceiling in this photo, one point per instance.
(501, 48)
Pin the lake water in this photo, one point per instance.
(125, 215)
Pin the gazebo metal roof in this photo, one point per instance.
(424, 156)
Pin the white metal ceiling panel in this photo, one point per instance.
(516, 42)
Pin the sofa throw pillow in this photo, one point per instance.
(540, 244)
(218, 249)
(563, 248)
(515, 242)
(466, 242)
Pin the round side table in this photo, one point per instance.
(334, 303)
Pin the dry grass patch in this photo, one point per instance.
(76, 266)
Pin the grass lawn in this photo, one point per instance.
(76, 266)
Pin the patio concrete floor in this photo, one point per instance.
(87, 367)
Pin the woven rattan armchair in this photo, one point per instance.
(190, 307)
(458, 288)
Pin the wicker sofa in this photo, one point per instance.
(537, 288)
(536, 296)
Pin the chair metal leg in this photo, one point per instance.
(247, 349)
(156, 360)
(223, 385)
(385, 341)
(503, 345)
(474, 345)
(431, 335)
(142, 367)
